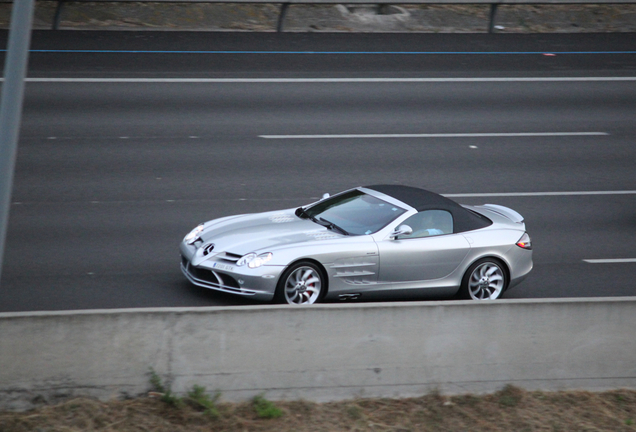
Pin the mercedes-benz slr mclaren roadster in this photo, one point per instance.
(373, 242)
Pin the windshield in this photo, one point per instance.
(355, 212)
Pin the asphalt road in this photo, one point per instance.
(111, 173)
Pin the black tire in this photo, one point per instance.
(486, 279)
(302, 283)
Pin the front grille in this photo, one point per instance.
(210, 277)
(229, 281)
(205, 275)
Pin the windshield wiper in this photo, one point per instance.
(331, 225)
(302, 213)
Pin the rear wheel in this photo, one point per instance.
(302, 283)
(486, 279)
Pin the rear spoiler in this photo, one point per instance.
(505, 211)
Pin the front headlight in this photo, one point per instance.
(254, 261)
(193, 235)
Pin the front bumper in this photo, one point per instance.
(259, 284)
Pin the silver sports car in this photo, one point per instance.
(382, 241)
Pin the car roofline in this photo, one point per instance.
(387, 198)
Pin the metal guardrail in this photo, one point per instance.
(494, 4)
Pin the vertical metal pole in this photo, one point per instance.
(58, 15)
(281, 17)
(11, 105)
(493, 11)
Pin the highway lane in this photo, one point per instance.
(237, 54)
(111, 175)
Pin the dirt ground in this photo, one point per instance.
(510, 409)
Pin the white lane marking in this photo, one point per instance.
(369, 136)
(312, 199)
(610, 261)
(539, 194)
(323, 80)
(437, 135)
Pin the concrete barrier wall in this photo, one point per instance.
(324, 352)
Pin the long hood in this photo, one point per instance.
(263, 232)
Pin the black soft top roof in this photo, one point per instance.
(420, 200)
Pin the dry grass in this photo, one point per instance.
(511, 409)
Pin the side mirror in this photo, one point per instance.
(401, 230)
(325, 196)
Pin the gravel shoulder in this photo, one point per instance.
(332, 18)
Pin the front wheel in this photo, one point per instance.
(484, 280)
(301, 284)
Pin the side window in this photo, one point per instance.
(429, 223)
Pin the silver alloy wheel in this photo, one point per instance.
(303, 286)
(486, 282)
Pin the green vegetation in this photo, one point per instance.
(266, 409)
(510, 396)
(198, 399)
(510, 409)
(166, 394)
